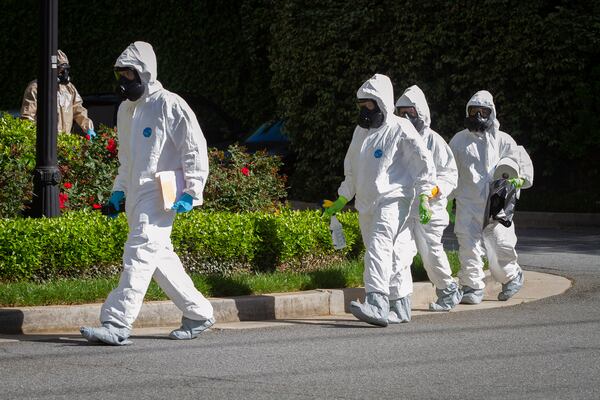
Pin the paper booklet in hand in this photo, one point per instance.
(171, 184)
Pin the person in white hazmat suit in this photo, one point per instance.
(386, 164)
(412, 105)
(478, 150)
(157, 132)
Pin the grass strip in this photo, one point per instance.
(82, 291)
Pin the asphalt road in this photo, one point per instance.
(549, 349)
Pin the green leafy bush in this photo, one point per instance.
(17, 161)
(86, 244)
(237, 181)
(87, 167)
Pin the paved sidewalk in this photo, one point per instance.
(245, 312)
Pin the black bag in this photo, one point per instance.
(501, 203)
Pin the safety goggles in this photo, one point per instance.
(484, 111)
(62, 67)
(409, 111)
(128, 73)
(370, 104)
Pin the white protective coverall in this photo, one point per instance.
(383, 169)
(428, 237)
(158, 132)
(477, 154)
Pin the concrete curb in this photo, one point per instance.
(277, 306)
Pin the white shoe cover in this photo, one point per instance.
(447, 298)
(107, 334)
(373, 311)
(400, 310)
(190, 329)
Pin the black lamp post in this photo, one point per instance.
(46, 177)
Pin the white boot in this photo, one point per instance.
(447, 298)
(471, 296)
(190, 329)
(511, 288)
(373, 311)
(400, 310)
(108, 334)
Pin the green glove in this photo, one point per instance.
(332, 208)
(424, 209)
(517, 182)
(449, 208)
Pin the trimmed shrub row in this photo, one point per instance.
(86, 244)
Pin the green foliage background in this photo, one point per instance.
(538, 58)
(255, 60)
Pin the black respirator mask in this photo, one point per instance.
(63, 74)
(370, 118)
(478, 123)
(416, 121)
(130, 89)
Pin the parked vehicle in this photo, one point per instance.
(271, 137)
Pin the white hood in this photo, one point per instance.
(380, 89)
(483, 98)
(141, 57)
(414, 97)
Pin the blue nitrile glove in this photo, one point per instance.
(424, 209)
(184, 204)
(517, 182)
(332, 208)
(92, 134)
(449, 208)
(115, 199)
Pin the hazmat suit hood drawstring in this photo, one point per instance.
(379, 88)
(141, 57)
(483, 98)
(414, 97)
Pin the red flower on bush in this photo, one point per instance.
(96, 206)
(111, 146)
(68, 185)
(245, 171)
(87, 137)
(62, 199)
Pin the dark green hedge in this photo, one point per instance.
(540, 60)
(212, 51)
(87, 244)
(256, 59)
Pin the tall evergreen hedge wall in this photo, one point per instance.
(538, 58)
(213, 51)
(303, 60)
